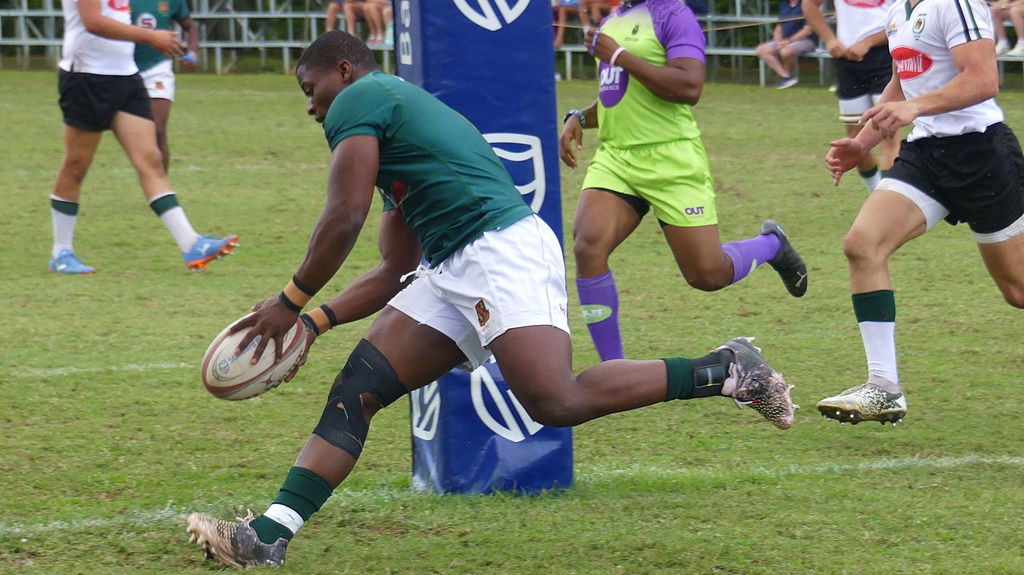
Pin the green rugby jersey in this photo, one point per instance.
(155, 15)
(435, 166)
(628, 113)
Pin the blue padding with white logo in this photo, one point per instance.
(471, 435)
(491, 61)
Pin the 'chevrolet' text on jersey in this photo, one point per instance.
(86, 52)
(858, 19)
(435, 167)
(628, 113)
(920, 40)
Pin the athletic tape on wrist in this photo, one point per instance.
(320, 318)
(295, 295)
(288, 303)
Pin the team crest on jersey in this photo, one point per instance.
(636, 29)
(164, 8)
(919, 26)
(910, 63)
(482, 313)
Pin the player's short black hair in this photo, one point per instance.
(333, 47)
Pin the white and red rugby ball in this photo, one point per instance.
(230, 376)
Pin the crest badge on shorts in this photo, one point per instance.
(482, 313)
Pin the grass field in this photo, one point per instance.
(107, 439)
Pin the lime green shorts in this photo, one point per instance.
(673, 178)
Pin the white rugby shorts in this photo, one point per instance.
(507, 278)
(159, 80)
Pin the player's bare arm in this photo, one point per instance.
(572, 134)
(350, 189)
(844, 154)
(166, 41)
(679, 80)
(816, 20)
(977, 81)
(191, 32)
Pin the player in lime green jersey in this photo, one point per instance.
(652, 158)
(493, 283)
(157, 70)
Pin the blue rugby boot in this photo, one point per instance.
(68, 263)
(208, 248)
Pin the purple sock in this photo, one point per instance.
(748, 254)
(600, 302)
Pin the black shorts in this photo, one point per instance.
(865, 78)
(90, 101)
(978, 177)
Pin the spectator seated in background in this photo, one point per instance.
(562, 9)
(791, 38)
(1014, 12)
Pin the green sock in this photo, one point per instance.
(304, 492)
(700, 377)
(875, 306)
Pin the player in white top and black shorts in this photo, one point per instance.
(863, 68)
(960, 163)
(100, 89)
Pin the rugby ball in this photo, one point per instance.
(230, 376)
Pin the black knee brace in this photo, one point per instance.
(343, 424)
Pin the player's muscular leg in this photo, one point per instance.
(698, 253)
(536, 363)
(398, 352)
(79, 150)
(161, 115)
(885, 222)
(138, 139)
(1005, 263)
(602, 222)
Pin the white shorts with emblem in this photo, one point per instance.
(507, 278)
(159, 80)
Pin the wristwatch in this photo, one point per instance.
(578, 114)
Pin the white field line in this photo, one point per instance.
(173, 514)
(71, 370)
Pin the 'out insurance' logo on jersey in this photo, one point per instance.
(910, 63)
(485, 16)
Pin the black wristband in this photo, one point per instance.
(330, 314)
(289, 303)
(302, 287)
(310, 324)
(578, 114)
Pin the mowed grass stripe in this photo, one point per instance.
(584, 475)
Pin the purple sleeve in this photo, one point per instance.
(678, 30)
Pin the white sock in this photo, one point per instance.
(63, 228)
(286, 516)
(880, 347)
(872, 181)
(1002, 43)
(177, 223)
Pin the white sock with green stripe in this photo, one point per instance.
(64, 215)
(173, 216)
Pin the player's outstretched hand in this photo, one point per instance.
(271, 321)
(843, 155)
(166, 42)
(890, 117)
(571, 141)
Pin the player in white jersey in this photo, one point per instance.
(959, 163)
(863, 68)
(100, 89)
